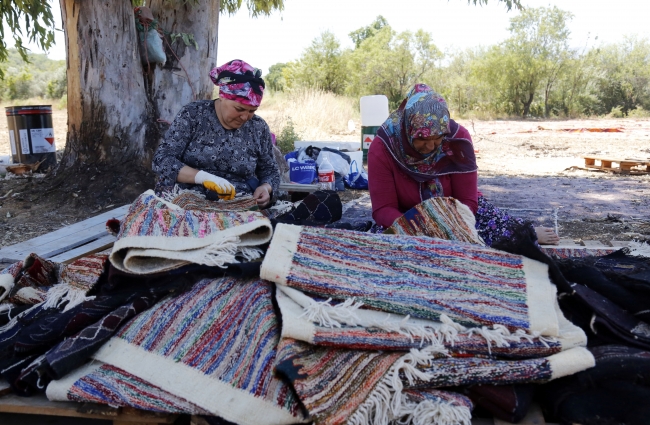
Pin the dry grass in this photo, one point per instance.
(315, 114)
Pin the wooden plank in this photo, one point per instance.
(566, 243)
(64, 239)
(97, 245)
(294, 187)
(594, 244)
(40, 405)
(620, 244)
(533, 417)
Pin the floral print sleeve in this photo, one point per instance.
(197, 139)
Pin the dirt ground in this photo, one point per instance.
(530, 167)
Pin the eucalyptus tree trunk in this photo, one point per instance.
(117, 107)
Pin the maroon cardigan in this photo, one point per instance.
(393, 192)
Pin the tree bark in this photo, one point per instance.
(115, 105)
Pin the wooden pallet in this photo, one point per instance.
(622, 166)
(40, 405)
(68, 243)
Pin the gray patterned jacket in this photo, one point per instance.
(197, 139)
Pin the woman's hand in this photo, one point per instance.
(263, 195)
(221, 186)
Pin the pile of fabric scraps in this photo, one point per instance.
(157, 235)
(374, 325)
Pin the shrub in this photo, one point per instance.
(287, 136)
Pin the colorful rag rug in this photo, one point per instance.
(368, 318)
(157, 235)
(442, 218)
(36, 280)
(418, 276)
(214, 347)
(105, 384)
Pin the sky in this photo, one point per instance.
(453, 24)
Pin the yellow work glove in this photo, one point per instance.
(222, 187)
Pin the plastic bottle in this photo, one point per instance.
(326, 175)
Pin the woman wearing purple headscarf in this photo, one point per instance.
(420, 152)
(220, 147)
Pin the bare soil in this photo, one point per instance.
(533, 168)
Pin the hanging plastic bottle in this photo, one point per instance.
(326, 175)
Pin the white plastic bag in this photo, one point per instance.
(340, 165)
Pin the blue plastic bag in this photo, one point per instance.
(302, 172)
(356, 179)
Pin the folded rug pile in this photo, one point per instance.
(157, 235)
(371, 324)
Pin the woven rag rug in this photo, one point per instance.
(442, 218)
(211, 349)
(157, 235)
(370, 323)
(35, 281)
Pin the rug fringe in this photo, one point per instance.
(250, 253)
(334, 316)
(221, 252)
(62, 293)
(431, 412)
(639, 249)
(7, 284)
(282, 207)
(387, 403)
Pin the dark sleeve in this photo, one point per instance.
(382, 185)
(167, 159)
(464, 187)
(267, 170)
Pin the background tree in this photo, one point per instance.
(35, 16)
(321, 65)
(390, 63)
(623, 76)
(275, 79)
(535, 54)
(358, 36)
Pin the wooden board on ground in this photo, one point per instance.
(618, 165)
(295, 187)
(40, 405)
(64, 239)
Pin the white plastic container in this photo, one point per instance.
(326, 175)
(374, 111)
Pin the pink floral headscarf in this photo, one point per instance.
(239, 81)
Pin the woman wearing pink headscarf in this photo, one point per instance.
(220, 147)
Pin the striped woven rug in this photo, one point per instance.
(418, 276)
(157, 235)
(213, 347)
(442, 218)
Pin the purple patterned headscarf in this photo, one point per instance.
(239, 81)
(424, 113)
